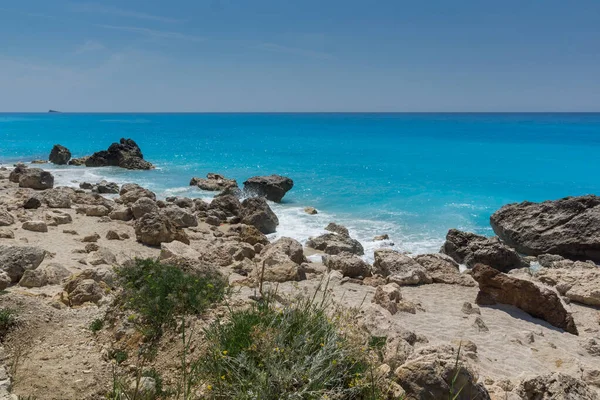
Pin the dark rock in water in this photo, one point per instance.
(333, 243)
(540, 302)
(470, 249)
(78, 161)
(569, 227)
(125, 154)
(59, 155)
(255, 211)
(213, 182)
(35, 178)
(231, 191)
(54, 111)
(273, 187)
(337, 228)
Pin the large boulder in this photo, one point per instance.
(6, 218)
(59, 155)
(569, 227)
(125, 154)
(36, 178)
(333, 243)
(213, 182)
(349, 265)
(249, 234)
(130, 193)
(440, 372)
(154, 228)
(16, 173)
(50, 274)
(228, 204)
(281, 261)
(443, 269)
(470, 249)
(399, 268)
(577, 280)
(555, 386)
(273, 187)
(181, 217)
(337, 228)
(255, 211)
(89, 286)
(540, 302)
(143, 206)
(58, 197)
(15, 260)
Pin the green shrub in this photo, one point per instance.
(295, 353)
(96, 325)
(158, 293)
(118, 355)
(8, 319)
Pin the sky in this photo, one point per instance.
(292, 55)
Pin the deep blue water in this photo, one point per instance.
(412, 176)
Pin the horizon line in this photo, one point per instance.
(299, 112)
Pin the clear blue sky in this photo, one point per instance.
(308, 55)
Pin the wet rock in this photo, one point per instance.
(399, 268)
(105, 187)
(15, 260)
(59, 155)
(470, 249)
(555, 386)
(213, 182)
(153, 229)
(310, 210)
(349, 265)
(273, 187)
(35, 178)
(35, 226)
(540, 302)
(379, 238)
(333, 243)
(255, 211)
(125, 154)
(79, 161)
(336, 228)
(432, 373)
(569, 227)
(50, 274)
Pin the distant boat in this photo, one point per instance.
(53, 111)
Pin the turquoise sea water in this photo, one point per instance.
(412, 176)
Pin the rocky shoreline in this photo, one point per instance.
(525, 313)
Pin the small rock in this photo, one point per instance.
(35, 226)
(480, 325)
(310, 210)
(91, 238)
(468, 308)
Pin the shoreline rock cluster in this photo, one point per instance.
(62, 242)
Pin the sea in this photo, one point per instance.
(411, 176)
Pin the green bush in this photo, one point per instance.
(8, 319)
(295, 353)
(96, 325)
(158, 293)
